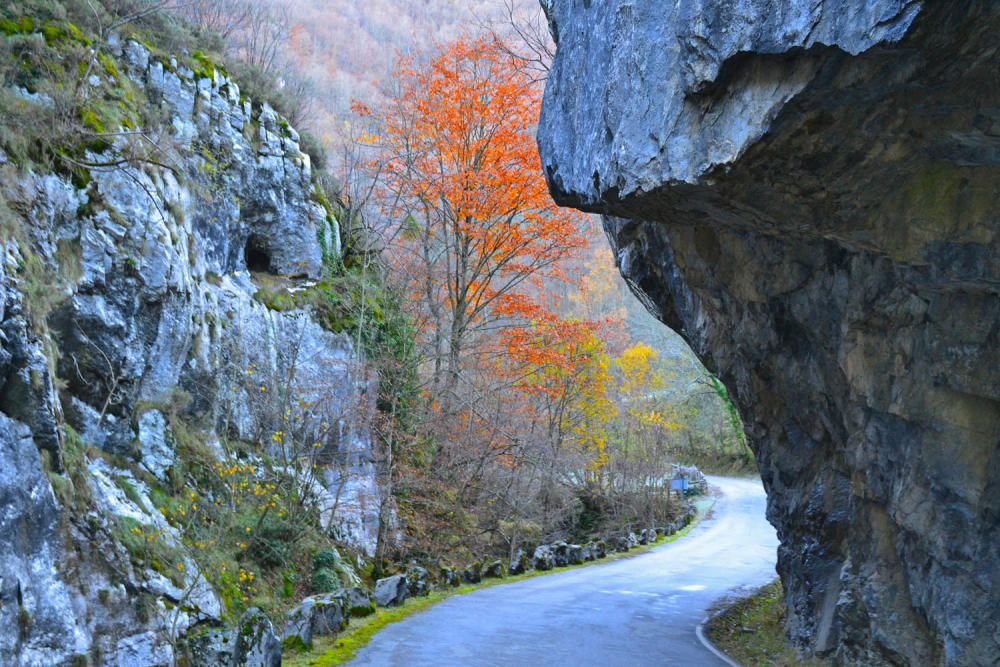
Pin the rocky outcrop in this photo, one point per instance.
(807, 191)
(127, 314)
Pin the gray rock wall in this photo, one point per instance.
(808, 192)
(150, 313)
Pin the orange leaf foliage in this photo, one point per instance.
(459, 157)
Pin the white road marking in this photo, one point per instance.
(693, 588)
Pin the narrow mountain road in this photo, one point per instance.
(632, 612)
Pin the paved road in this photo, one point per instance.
(632, 612)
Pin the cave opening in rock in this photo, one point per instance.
(257, 254)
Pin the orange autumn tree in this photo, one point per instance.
(479, 231)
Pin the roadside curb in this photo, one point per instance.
(707, 643)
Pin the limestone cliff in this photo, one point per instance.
(808, 191)
(129, 330)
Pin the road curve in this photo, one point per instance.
(636, 611)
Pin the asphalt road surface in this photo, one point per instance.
(636, 611)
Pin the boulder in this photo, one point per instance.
(391, 591)
(574, 554)
(298, 629)
(560, 552)
(358, 601)
(473, 573)
(256, 643)
(600, 549)
(493, 570)
(519, 562)
(543, 558)
(449, 577)
(331, 613)
(317, 615)
(417, 581)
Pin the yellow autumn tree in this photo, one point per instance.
(647, 421)
(565, 368)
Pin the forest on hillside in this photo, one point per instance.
(537, 397)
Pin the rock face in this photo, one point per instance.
(32, 598)
(140, 314)
(808, 192)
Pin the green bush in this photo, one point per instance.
(326, 559)
(325, 580)
(313, 147)
(273, 539)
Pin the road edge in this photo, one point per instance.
(315, 658)
(707, 643)
(699, 631)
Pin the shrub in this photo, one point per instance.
(326, 559)
(312, 147)
(325, 580)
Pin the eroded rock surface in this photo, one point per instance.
(128, 313)
(808, 191)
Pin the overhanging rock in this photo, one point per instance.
(809, 192)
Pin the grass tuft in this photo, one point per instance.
(752, 631)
